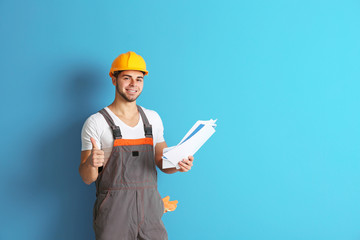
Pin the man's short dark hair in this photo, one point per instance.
(116, 73)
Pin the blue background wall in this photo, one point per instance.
(282, 77)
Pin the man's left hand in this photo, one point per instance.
(186, 164)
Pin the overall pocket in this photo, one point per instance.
(102, 199)
(137, 164)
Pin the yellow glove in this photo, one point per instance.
(169, 205)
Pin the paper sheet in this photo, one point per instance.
(190, 144)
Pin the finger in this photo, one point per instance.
(183, 166)
(98, 152)
(187, 162)
(188, 165)
(99, 163)
(98, 159)
(182, 169)
(93, 143)
(191, 158)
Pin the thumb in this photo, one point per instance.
(94, 143)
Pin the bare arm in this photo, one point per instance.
(91, 160)
(87, 172)
(159, 147)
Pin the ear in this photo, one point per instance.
(113, 79)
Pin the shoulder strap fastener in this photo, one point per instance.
(116, 132)
(148, 130)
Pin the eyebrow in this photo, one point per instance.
(131, 76)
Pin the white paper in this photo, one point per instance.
(190, 144)
(167, 163)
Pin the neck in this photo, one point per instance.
(121, 107)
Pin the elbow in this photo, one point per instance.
(85, 179)
(88, 182)
(166, 170)
(169, 170)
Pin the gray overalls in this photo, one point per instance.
(128, 204)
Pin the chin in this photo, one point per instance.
(133, 99)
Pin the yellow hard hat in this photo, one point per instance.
(128, 61)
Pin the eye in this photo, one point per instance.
(139, 80)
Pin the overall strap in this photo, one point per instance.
(115, 129)
(110, 121)
(147, 126)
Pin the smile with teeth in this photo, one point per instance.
(131, 90)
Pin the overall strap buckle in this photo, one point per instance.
(116, 132)
(148, 131)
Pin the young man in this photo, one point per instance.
(121, 144)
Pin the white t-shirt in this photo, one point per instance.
(97, 127)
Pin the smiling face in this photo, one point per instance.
(129, 84)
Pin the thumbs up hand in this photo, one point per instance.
(97, 156)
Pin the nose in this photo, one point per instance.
(133, 82)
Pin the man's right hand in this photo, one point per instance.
(97, 156)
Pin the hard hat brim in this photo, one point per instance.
(124, 69)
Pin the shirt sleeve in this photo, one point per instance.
(89, 130)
